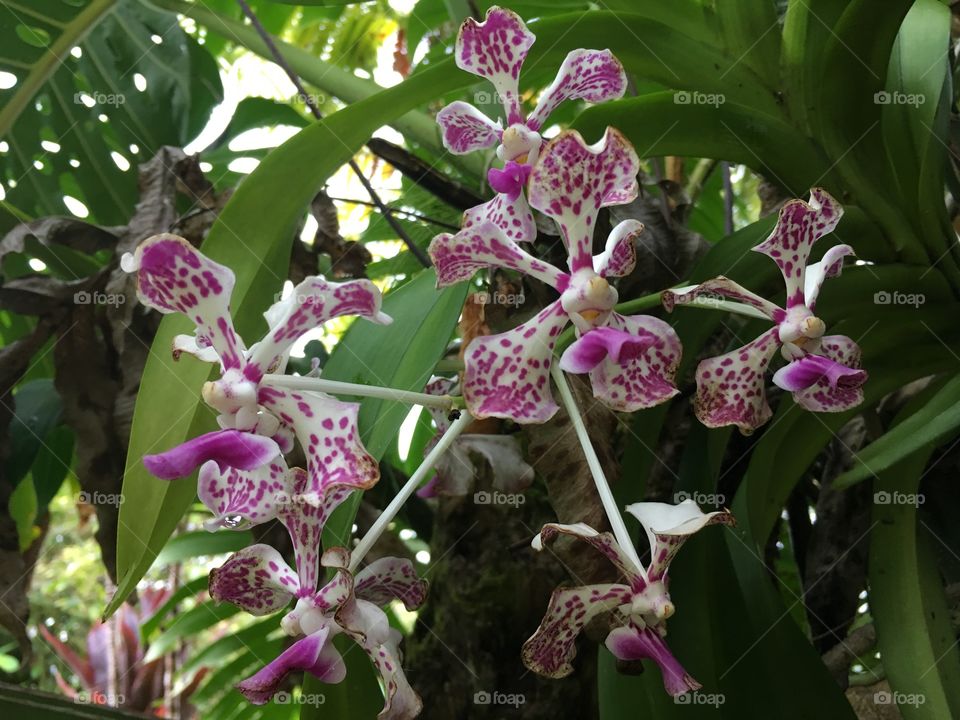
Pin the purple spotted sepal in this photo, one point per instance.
(456, 472)
(495, 50)
(631, 360)
(822, 371)
(257, 421)
(258, 580)
(639, 606)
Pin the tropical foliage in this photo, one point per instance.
(545, 217)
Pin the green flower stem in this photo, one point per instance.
(596, 469)
(335, 387)
(386, 517)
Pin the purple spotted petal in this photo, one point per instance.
(336, 592)
(328, 433)
(592, 75)
(510, 472)
(511, 216)
(668, 527)
(572, 181)
(388, 579)
(508, 375)
(643, 374)
(256, 579)
(596, 345)
(510, 180)
(304, 519)
(284, 438)
(799, 226)
(495, 49)
(188, 344)
(619, 257)
(458, 257)
(228, 448)
(239, 499)
(306, 654)
(731, 388)
(431, 489)
(721, 288)
(173, 276)
(603, 542)
(809, 370)
(440, 386)
(455, 471)
(824, 396)
(631, 643)
(466, 129)
(551, 648)
(312, 302)
(369, 627)
(829, 266)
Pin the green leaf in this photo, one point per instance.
(201, 542)
(848, 116)
(38, 409)
(201, 617)
(22, 507)
(92, 108)
(915, 122)
(751, 29)
(932, 422)
(52, 465)
(62, 25)
(187, 590)
(915, 636)
(658, 125)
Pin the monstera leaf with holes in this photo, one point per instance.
(97, 86)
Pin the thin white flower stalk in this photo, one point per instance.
(593, 462)
(386, 517)
(335, 387)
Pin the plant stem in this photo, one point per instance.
(593, 462)
(386, 517)
(278, 58)
(335, 387)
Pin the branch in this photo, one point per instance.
(425, 175)
(400, 211)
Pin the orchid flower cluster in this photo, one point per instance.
(631, 362)
(244, 479)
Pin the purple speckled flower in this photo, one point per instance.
(456, 472)
(632, 359)
(640, 605)
(258, 580)
(822, 371)
(495, 50)
(258, 421)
